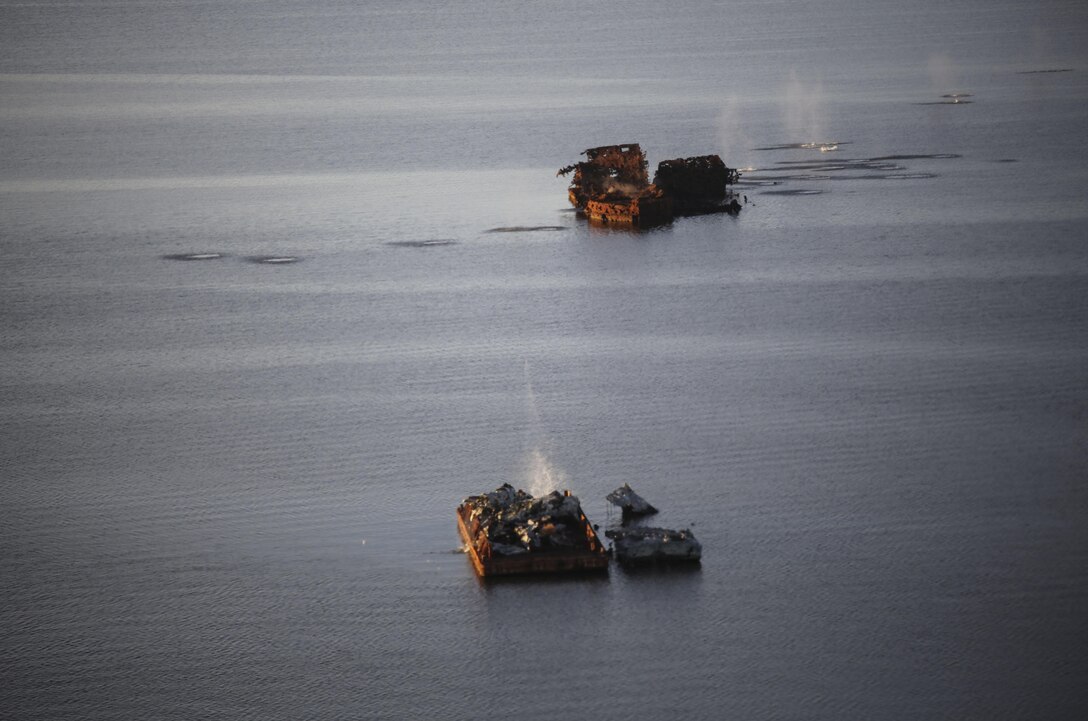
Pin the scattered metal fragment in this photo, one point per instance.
(630, 502)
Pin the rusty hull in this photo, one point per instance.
(591, 558)
(612, 186)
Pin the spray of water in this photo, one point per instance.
(540, 476)
(943, 74)
(733, 141)
(803, 108)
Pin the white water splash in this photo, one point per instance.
(540, 476)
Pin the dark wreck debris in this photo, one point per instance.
(653, 545)
(508, 531)
(613, 186)
(193, 256)
(273, 259)
(630, 503)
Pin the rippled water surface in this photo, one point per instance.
(283, 282)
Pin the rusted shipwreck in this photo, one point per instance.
(612, 186)
(509, 532)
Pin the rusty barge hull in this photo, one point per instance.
(637, 211)
(591, 559)
(612, 186)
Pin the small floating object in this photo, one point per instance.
(630, 502)
(428, 243)
(274, 259)
(650, 545)
(193, 256)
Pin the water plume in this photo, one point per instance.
(803, 108)
(539, 476)
(733, 142)
(943, 75)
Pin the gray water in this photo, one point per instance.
(228, 484)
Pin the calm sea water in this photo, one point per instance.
(228, 484)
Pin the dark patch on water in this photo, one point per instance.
(273, 259)
(948, 100)
(194, 256)
(846, 169)
(797, 191)
(1051, 70)
(429, 243)
(654, 571)
(898, 176)
(1007, 160)
(930, 156)
(525, 228)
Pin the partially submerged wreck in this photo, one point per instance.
(612, 186)
(508, 532)
(642, 544)
(649, 545)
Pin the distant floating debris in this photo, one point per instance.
(194, 256)
(429, 243)
(951, 99)
(796, 191)
(274, 259)
(824, 147)
(1049, 70)
(630, 502)
(525, 228)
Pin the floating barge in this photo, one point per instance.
(509, 532)
(613, 186)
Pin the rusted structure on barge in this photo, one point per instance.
(612, 186)
(508, 532)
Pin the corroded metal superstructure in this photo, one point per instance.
(612, 186)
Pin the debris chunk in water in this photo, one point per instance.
(630, 502)
(635, 545)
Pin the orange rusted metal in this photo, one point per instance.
(612, 186)
(590, 556)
